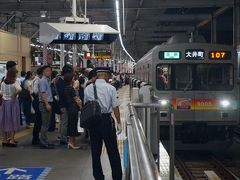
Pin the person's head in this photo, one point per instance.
(29, 75)
(66, 69)
(47, 71)
(39, 72)
(11, 65)
(103, 73)
(11, 75)
(54, 74)
(76, 75)
(92, 75)
(68, 77)
(23, 73)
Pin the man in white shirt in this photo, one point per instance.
(105, 129)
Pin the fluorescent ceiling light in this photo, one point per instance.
(119, 29)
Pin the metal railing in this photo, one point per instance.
(141, 162)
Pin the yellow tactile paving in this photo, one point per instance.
(21, 134)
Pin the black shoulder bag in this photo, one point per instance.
(90, 112)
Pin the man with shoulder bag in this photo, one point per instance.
(103, 98)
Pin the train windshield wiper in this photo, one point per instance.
(187, 86)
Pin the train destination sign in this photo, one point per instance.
(219, 55)
(169, 55)
(194, 54)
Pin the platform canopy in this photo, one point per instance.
(66, 33)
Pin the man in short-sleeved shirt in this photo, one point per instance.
(45, 106)
(105, 130)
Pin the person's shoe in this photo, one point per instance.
(46, 147)
(51, 145)
(11, 144)
(4, 144)
(35, 142)
(63, 142)
(10, 140)
(70, 146)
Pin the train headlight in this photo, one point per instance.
(163, 102)
(225, 103)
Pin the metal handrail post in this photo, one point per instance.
(172, 143)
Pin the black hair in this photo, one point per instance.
(28, 75)
(11, 76)
(39, 71)
(10, 64)
(23, 73)
(92, 74)
(67, 69)
(54, 74)
(45, 67)
(68, 77)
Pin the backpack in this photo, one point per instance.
(24, 94)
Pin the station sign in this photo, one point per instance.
(220, 55)
(169, 55)
(194, 54)
(67, 33)
(98, 55)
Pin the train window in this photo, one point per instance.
(214, 77)
(162, 79)
(183, 77)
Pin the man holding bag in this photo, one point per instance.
(105, 130)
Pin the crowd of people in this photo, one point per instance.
(40, 95)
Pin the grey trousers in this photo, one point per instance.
(46, 118)
(63, 125)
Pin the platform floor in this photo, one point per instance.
(65, 164)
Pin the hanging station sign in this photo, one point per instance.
(66, 33)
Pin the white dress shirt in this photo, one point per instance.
(107, 95)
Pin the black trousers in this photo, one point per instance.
(105, 131)
(27, 110)
(38, 119)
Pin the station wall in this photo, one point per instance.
(15, 48)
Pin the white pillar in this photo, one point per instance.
(62, 56)
(75, 55)
(45, 54)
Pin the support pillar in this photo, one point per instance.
(214, 30)
(74, 55)
(45, 54)
(236, 21)
(62, 56)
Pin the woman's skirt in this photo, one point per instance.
(10, 116)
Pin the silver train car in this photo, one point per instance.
(200, 80)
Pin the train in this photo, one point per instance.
(200, 81)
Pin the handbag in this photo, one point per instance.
(91, 111)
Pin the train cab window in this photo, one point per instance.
(183, 77)
(162, 77)
(214, 77)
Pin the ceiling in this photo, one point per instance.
(148, 22)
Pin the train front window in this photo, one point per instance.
(214, 77)
(183, 77)
(199, 77)
(163, 77)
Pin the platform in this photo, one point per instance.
(61, 162)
